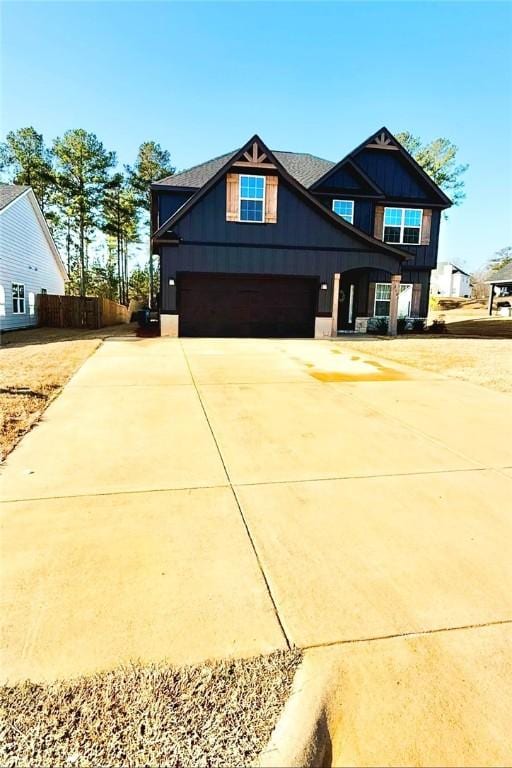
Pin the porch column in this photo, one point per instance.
(393, 304)
(335, 302)
(491, 297)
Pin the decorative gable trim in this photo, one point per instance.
(382, 141)
(255, 158)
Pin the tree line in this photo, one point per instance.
(94, 210)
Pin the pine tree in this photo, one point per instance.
(152, 163)
(83, 164)
(25, 159)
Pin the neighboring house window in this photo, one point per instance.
(2, 301)
(345, 209)
(402, 225)
(383, 299)
(18, 299)
(252, 198)
(31, 303)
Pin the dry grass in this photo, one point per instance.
(34, 366)
(217, 714)
(487, 362)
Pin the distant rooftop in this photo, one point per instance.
(9, 192)
(501, 275)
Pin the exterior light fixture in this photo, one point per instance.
(171, 281)
(323, 287)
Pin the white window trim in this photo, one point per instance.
(402, 285)
(351, 221)
(2, 301)
(257, 199)
(18, 311)
(402, 225)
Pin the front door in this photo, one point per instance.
(347, 307)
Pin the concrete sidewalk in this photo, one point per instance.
(186, 499)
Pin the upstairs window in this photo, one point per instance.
(252, 198)
(402, 225)
(345, 209)
(18, 299)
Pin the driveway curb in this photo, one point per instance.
(304, 733)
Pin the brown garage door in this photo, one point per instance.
(246, 305)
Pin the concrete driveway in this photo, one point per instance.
(194, 498)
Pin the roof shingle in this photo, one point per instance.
(9, 192)
(501, 275)
(305, 168)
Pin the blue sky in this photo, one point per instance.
(201, 78)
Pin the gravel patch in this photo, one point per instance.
(216, 714)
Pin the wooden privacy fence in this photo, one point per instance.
(79, 311)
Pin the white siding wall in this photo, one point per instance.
(445, 282)
(461, 285)
(25, 257)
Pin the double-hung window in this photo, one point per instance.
(18, 299)
(402, 225)
(345, 209)
(382, 299)
(252, 198)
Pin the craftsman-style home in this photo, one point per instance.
(266, 243)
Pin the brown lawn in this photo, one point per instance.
(487, 362)
(34, 366)
(217, 714)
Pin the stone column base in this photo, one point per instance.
(323, 327)
(169, 325)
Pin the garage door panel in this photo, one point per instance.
(246, 305)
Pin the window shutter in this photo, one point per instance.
(378, 229)
(271, 200)
(425, 226)
(371, 296)
(232, 197)
(415, 301)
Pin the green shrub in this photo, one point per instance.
(418, 325)
(377, 326)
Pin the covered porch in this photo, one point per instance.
(367, 294)
(500, 290)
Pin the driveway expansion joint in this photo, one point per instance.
(394, 636)
(244, 521)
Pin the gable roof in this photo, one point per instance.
(9, 192)
(338, 221)
(403, 152)
(352, 169)
(304, 168)
(453, 266)
(503, 275)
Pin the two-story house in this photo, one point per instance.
(266, 243)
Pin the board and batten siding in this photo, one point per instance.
(25, 257)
